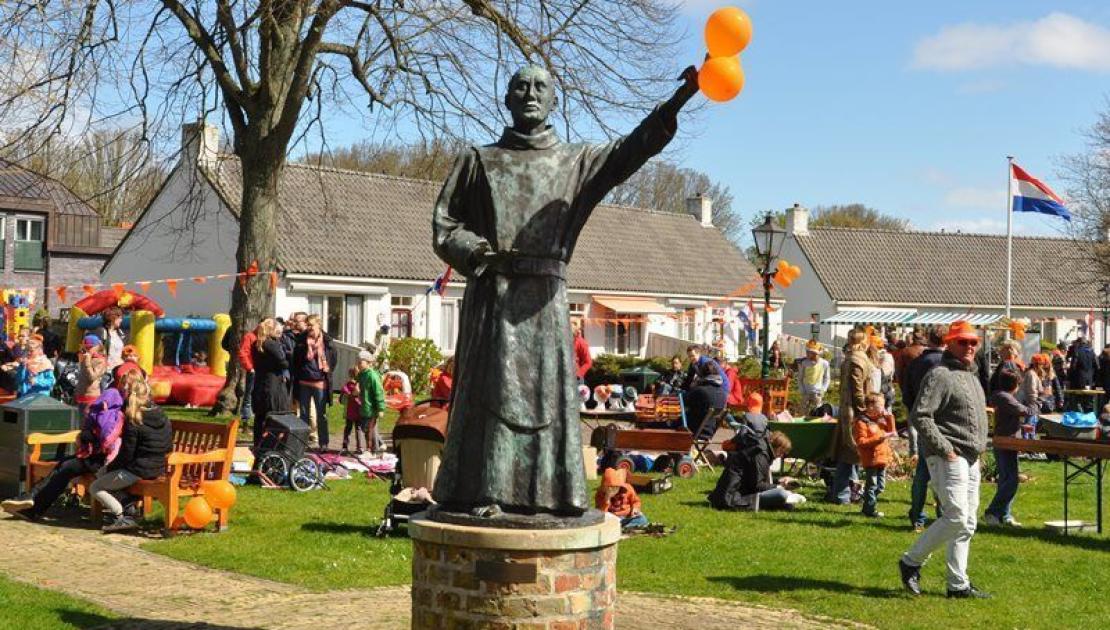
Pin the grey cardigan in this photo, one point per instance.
(950, 413)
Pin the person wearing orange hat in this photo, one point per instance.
(950, 415)
(616, 496)
(813, 378)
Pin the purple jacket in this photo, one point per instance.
(102, 430)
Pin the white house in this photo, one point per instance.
(896, 278)
(357, 249)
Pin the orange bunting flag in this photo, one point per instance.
(118, 288)
(61, 291)
(273, 281)
(89, 289)
(171, 285)
(144, 286)
(200, 279)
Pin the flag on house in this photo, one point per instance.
(1029, 194)
(440, 285)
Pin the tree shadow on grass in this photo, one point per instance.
(369, 529)
(80, 619)
(782, 583)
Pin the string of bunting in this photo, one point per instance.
(172, 284)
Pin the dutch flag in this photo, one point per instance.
(1029, 194)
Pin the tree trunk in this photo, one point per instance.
(251, 299)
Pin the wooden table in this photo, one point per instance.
(1094, 393)
(1093, 451)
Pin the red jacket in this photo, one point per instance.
(735, 389)
(582, 360)
(246, 349)
(442, 389)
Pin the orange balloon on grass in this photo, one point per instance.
(198, 514)
(219, 494)
(727, 31)
(721, 78)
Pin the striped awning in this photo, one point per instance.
(932, 317)
(894, 316)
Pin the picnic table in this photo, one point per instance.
(1094, 393)
(1093, 452)
(811, 441)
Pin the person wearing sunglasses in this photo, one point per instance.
(950, 416)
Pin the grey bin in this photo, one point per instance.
(639, 377)
(18, 419)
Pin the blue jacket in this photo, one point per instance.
(44, 382)
(693, 371)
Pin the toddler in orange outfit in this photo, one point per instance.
(617, 497)
(872, 431)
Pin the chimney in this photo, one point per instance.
(797, 220)
(702, 208)
(200, 143)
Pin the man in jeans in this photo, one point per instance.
(951, 418)
(914, 373)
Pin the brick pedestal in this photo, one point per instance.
(479, 577)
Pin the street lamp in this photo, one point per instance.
(768, 241)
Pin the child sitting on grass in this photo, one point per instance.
(353, 410)
(618, 497)
(872, 431)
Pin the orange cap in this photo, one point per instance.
(960, 330)
(754, 402)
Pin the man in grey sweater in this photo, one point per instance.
(950, 416)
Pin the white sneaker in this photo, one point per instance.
(11, 506)
(1011, 522)
(795, 499)
(991, 519)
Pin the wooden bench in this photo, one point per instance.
(202, 451)
(775, 392)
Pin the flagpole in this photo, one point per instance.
(1009, 231)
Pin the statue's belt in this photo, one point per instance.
(512, 265)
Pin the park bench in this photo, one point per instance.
(38, 468)
(202, 451)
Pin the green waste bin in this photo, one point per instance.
(19, 418)
(639, 377)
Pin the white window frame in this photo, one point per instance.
(449, 334)
(28, 221)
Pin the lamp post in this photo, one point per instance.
(768, 241)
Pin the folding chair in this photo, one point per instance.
(703, 435)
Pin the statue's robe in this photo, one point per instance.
(514, 438)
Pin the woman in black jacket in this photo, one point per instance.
(147, 439)
(313, 360)
(270, 395)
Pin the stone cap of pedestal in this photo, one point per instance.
(602, 534)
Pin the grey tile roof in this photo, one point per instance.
(16, 181)
(890, 267)
(350, 223)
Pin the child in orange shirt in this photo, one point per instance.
(616, 496)
(872, 431)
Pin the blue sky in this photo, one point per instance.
(910, 108)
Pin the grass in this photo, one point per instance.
(30, 608)
(821, 559)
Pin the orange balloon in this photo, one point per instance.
(219, 494)
(198, 514)
(721, 78)
(783, 265)
(727, 32)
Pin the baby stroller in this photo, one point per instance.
(418, 441)
(281, 454)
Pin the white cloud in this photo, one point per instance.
(976, 198)
(1058, 39)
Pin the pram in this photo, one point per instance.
(281, 454)
(418, 441)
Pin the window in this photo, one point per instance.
(623, 334)
(340, 315)
(352, 317)
(401, 301)
(688, 325)
(333, 316)
(577, 309)
(28, 245)
(400, 323)
(3, 240)
(448, 324)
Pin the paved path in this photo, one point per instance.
(159, 593)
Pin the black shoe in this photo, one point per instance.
(121, 524)
(968, 593)
(27, 515)
(911, 577)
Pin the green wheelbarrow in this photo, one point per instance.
(811, 442)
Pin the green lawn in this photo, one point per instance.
(29, 608)
(821, 559)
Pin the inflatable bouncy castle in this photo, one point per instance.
(172, 379)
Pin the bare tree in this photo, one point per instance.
(1087, 177)
(663, 185)
(276, 69)
(426, 160)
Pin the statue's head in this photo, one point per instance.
(530, 98)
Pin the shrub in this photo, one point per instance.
(415, 357)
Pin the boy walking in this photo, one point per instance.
(872, 431)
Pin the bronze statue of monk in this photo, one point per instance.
(508, 218)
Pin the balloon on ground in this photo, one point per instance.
(198, 514)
